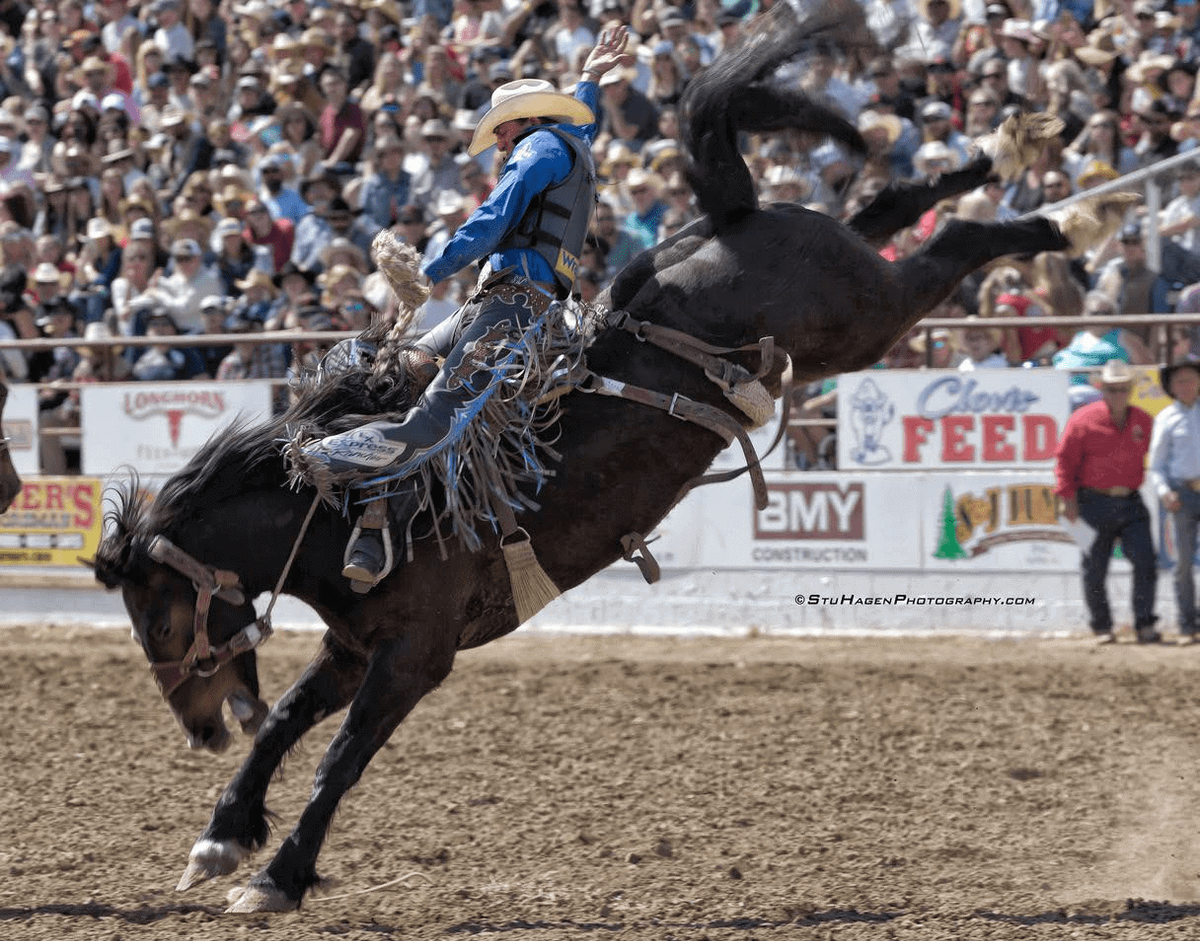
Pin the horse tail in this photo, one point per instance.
(736, 94)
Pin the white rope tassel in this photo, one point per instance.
(400, 263)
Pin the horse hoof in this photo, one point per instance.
(258, 898)
(209, 859)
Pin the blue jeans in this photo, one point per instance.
(1186, 520)
(1126, 519)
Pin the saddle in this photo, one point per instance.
(479, 481)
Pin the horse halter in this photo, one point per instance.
(202, 658)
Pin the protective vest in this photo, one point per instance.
(556, 222)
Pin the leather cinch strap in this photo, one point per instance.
(685, 409)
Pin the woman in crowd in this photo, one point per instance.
(1100, 140)
(299, 133)
(667, 79)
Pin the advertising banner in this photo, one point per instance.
(982, 522)
(812, 520)
(970, 523)
(917, 419)
(156, 427)
(21, 428)
(54, 521)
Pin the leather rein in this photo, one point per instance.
(204, 658)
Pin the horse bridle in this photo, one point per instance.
(203, 658)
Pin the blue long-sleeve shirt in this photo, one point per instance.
(538, 162)
(1175, 446)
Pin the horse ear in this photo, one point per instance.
(106, 573)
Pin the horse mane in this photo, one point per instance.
(244, 457)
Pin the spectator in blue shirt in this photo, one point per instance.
(1175, 472)
(385, 192)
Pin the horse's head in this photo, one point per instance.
(195, 623)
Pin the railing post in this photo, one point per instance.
(1153, 240)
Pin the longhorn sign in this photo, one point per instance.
(174, 404)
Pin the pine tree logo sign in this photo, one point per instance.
(974, 523)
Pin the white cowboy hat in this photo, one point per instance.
(1115, 372)
(935, 152)
(527, 98)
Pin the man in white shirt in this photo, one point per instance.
(115, 16)
(1175, 472)
(181, 292)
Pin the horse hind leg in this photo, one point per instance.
(238, 825)
(927, 277)
(400, 673)
(900, 205)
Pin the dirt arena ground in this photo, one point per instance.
(616, 787)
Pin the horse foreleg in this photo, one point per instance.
(401, 671)
(238, 825)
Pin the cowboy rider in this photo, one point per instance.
(530, 229)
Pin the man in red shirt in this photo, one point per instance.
(1099, 467)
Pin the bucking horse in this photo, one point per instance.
(743, 273)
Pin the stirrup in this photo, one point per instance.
(360, 585)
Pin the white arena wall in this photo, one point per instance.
(941, 520)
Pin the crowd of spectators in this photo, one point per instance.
(179, 166)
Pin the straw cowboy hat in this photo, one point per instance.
(527, 98)
(872, 120)
(346, 250)
(1096, 171)
(639, 177)
(618, 153)
(941, 336)
(337, 274)
(1100, 48)
(955, 9)
(193, 222)
(1147, 64)
(257, 278)
(389, 9)
(231, 195)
